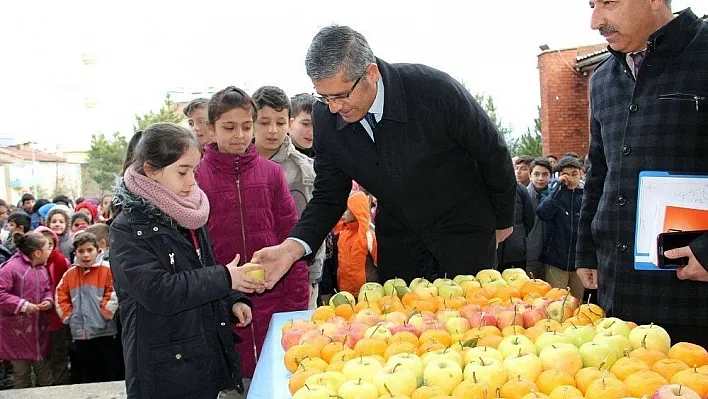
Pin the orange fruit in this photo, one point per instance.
(424, 305)
(404, 336)
(535, 285)
(370, 346)
(644, 383)
(691, 354)
(551, 379)
(429, 346)
(477, 299)
(566, 392)
(440, 336)
(491, 341)
(586, 375)
(323, 313)
(318, 341)
(648, 356)
(626, 366)
(668, 367)
(517, 388)
(295, 355)
(556, 293)
(408, 298)
(399, 347)
(345, 310)
(344, 355)
(550, 325)
(508, 292)
(455, 302)
(297, 380)
(606, 388)
(575, 321)
(331, 349)
(692, 379)
(530, 296)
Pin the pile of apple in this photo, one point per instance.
(493, 335)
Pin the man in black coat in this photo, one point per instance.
(416, 139)
(649, 111)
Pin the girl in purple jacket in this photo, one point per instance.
(251, 208)
(26, 299)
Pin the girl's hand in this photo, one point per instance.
(32, 308)
(243, 313)
(241, 280)
(45, 305)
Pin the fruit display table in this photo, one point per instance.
(270, 379)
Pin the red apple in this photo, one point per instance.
(291, 338)
(481, 319)
(338, 321)
(405, 327)
(508, 318)
(533, 315)
(431, 325)
(542, 302)
(496, 309)
(350, 336)
(468, 310)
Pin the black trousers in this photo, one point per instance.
(100, 359)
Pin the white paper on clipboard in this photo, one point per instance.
(657, 190)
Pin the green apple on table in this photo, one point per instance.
(445, 373)
(371, 292)
(650, 336)
(448, 288)
(315, 392)
(487, 369)
(410, 361)
(483, 352)
(463, 277)
(341, 298)
(523, 365)
(486, 274)
(425, 290)
(330, 379)
(395, 379)
(513, 343)
(563, 357)
(617, 326)
(416, 281)
(364, 367)
(619, 342)
(390, 285)
(598, 354)
(580, 334)
(358, 389)
(549, 338)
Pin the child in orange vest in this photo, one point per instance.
(356, 245)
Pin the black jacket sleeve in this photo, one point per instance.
(699, 246)
(528, 214)
(475, 132)
(329, 198)
(138, 271)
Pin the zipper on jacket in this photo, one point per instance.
(572, 219)
(172, 261)
(36, 328)
(684, 97)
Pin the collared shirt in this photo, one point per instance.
(377, 108)
(630, 61)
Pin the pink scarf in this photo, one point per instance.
(190, 212)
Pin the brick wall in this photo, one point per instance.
(565, 107)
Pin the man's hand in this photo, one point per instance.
(588, 277)
(277, 260)
(563, 180)
(692, 271)
(242, 313)
(504, 234)
(45, 305)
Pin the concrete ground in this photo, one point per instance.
(103, 390)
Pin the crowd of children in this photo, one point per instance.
(57, 302)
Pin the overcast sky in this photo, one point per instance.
(145, 48)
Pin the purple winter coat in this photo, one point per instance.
(251, 208)
(24, 336)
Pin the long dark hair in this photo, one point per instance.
(161, 145)
(30, 242)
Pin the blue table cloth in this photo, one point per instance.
(270, 379)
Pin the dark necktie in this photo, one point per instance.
(371, 119)
(638, 58)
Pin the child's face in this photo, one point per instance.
(43, 254)
(271, 128)
(28, 205)
(86, 254)
(540, 176)
(233, 131)
(12, 226)
(198, 122)
(178, 177)
(58, 224)
(522, 173)
(79, 225)
(301, 130)
(106, 202)
(4, 213)
(572, 177)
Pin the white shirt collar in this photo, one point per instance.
(377, 107)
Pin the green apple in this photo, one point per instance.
(618, 341)
(559, 310)
(425, 290)
(457, 325)
(341, 298)
(490, 370)
(315, 392)
(445, 373)
(469, 284)
(580, 334)
(371, 292)
(364, 367)
(514, 272)
(550, 338)
(443, 315)
(410, 361)
(486, 274)
(390, 285)
(463, 277)
(446, 353)
(358, 389)
(650, 336)
(523, 365)
(395, 379)
(378, 332)
(598, 354)
(496, 282)
(483, 352)
(563, 357)
(330, 379)
(416, 281)
(440, 281)
(617, 326)
(512, 344)
(400, 291)
(449, 289)
(517, 281)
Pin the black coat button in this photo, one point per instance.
(626, 150)
(621, 200)
(633, 107)
(622, 246)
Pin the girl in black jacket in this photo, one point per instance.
(176, 303)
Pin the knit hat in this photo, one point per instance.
(44, 210)
(90, 209)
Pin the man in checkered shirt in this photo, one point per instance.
(649, 111)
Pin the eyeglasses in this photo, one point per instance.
(339, 97)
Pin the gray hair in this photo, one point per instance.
(336, 48)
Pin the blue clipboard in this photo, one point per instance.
(655, 188)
